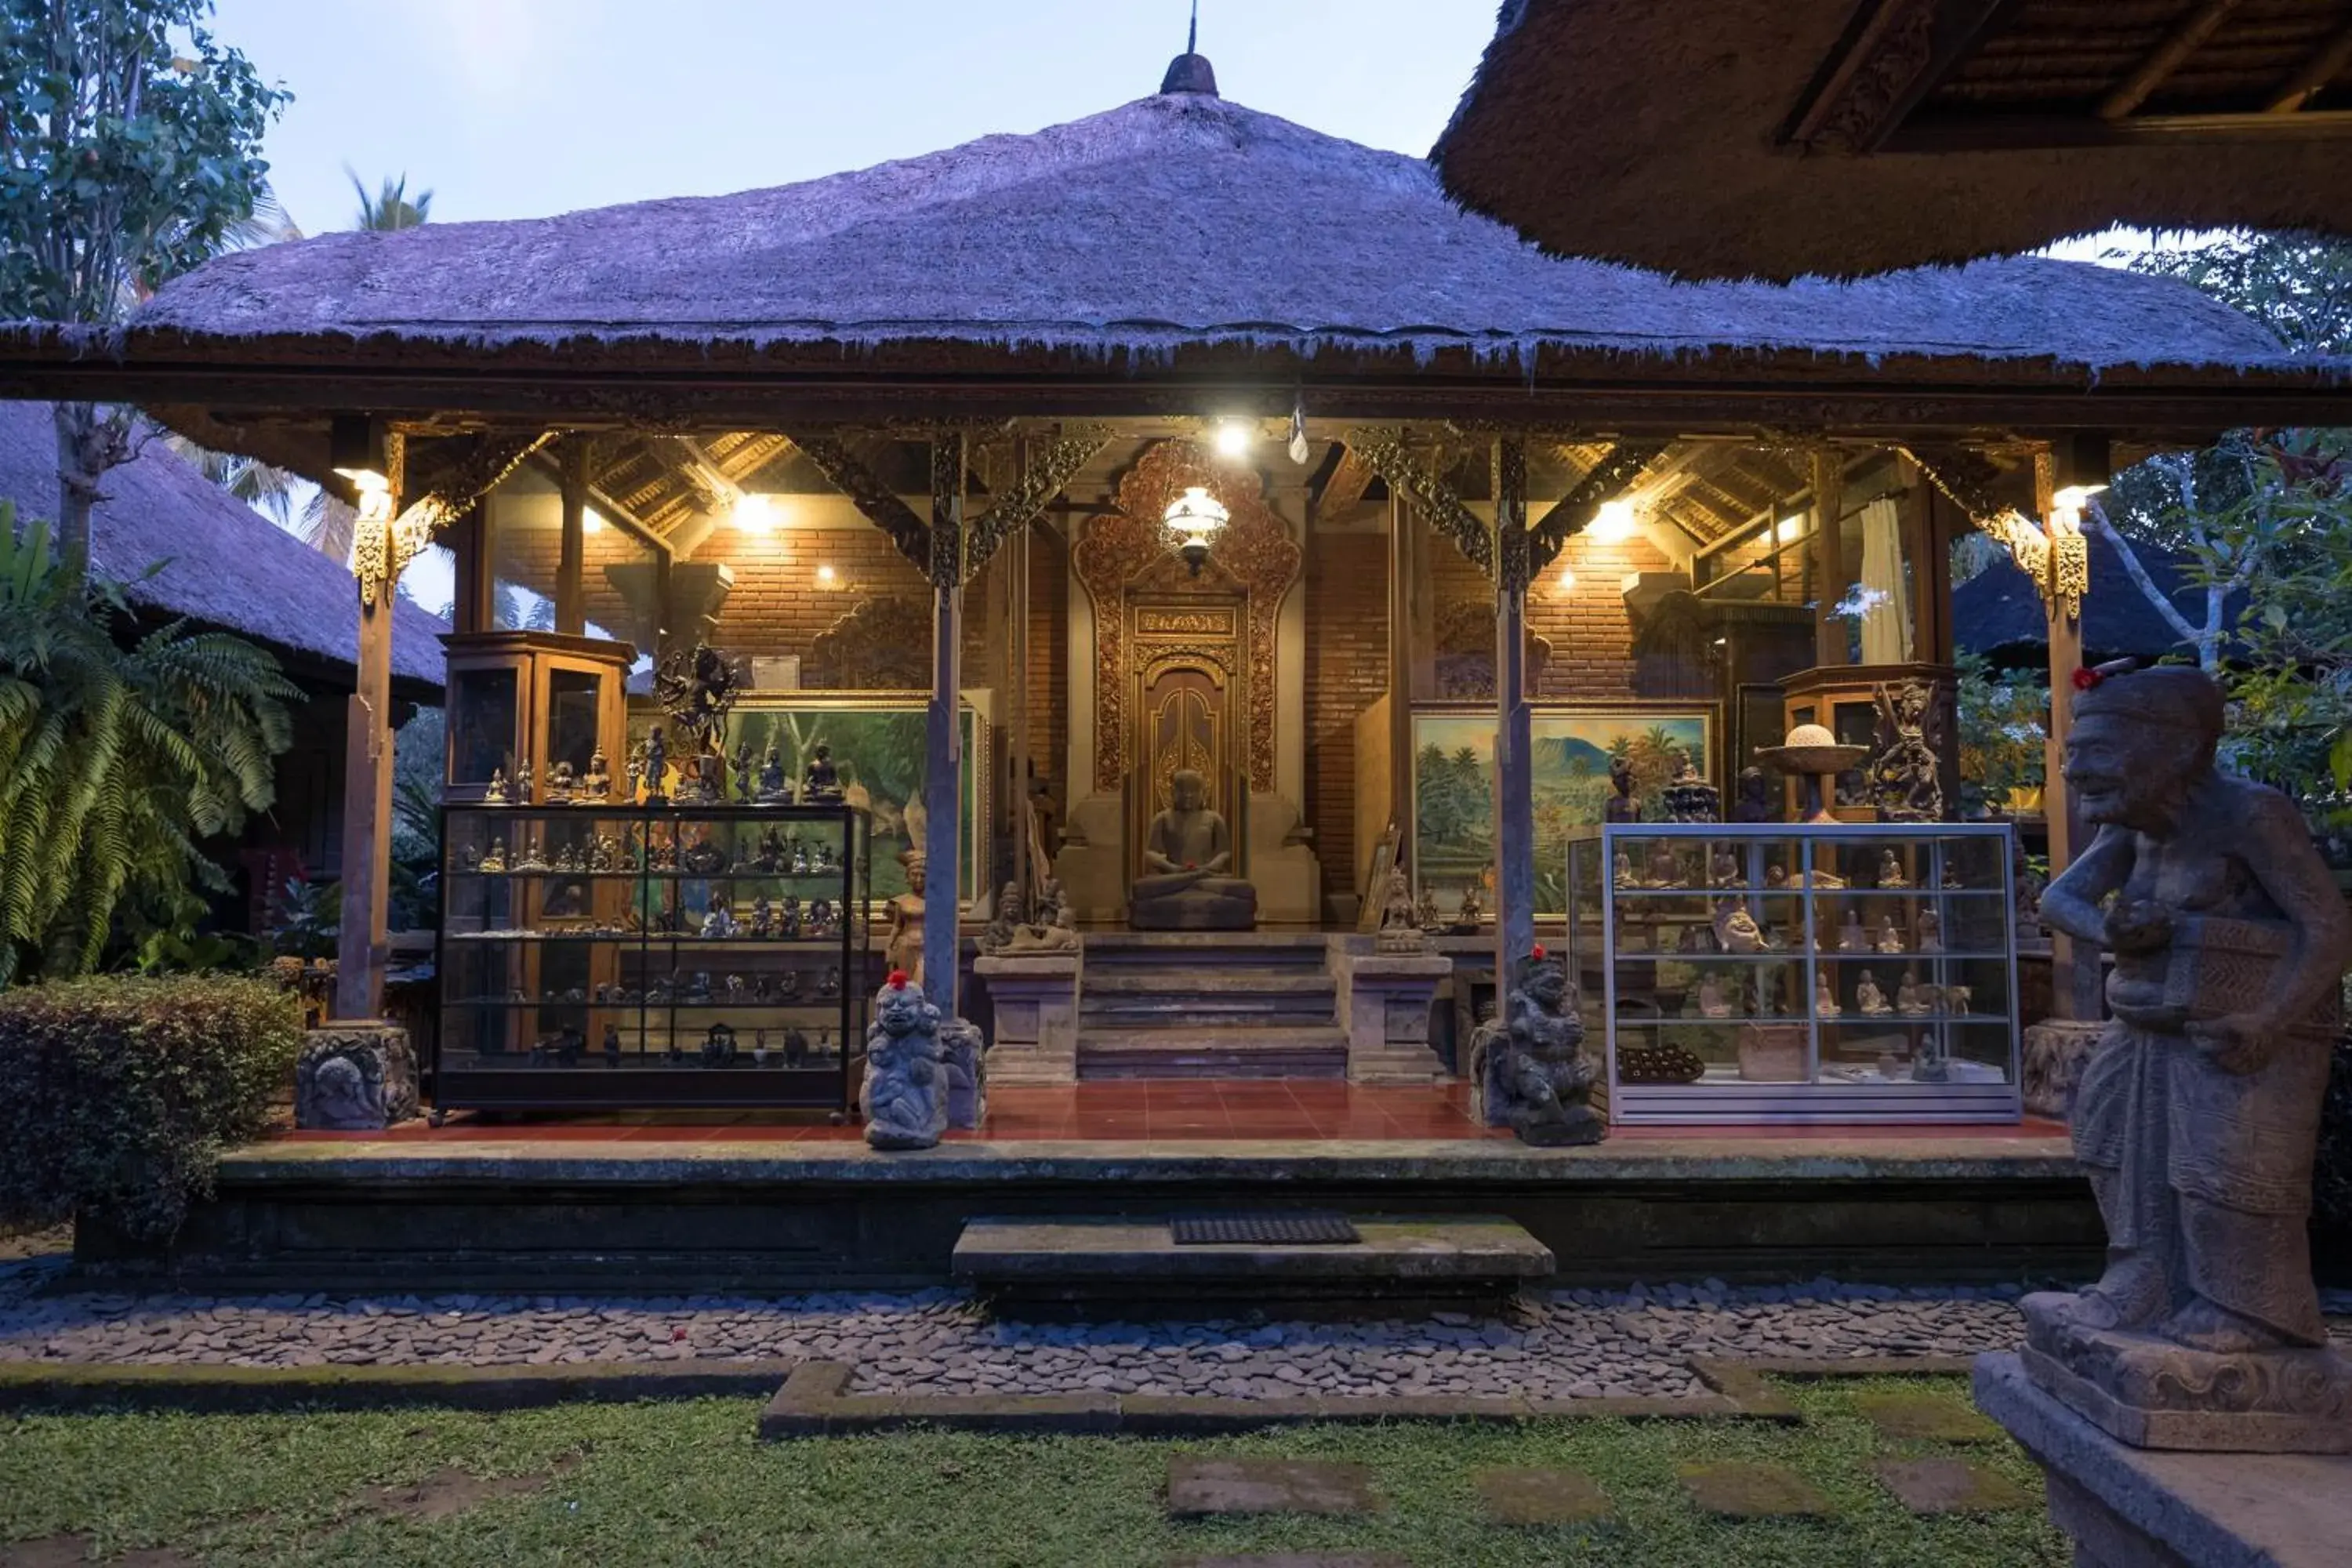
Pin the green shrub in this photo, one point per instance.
(118, 1095)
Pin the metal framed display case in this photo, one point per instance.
(1837, 972)
(637, 957)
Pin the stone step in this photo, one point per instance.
(1121, 981)
(1178, 1019)
(1098, 1264)
(1218, 1052)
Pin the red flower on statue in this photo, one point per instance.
(1538, 951)
(2086, 678)
(897, 980)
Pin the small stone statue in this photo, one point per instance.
(1869, 998)
(1852, 938)
(1051, 931)
(1470, 914)
(1426, 913)
(2198, 1115)
(1723, 868)
(1188, 857)
(635, 769)
(1621, 870)
(1911, 998)
(1825, 1002)
(1530, 1071)
(1010, 914)
(773, 791)
(1931, 931)
(1890, 936)
(821, 781)
(497, 793)
(828, 982)
(1400, 927)
(596, 783)
(1621, 805)
(904, 1096)
(1776, 875)
(1957, 998)
(1666, 867)
(719, 925)
(1890, 869)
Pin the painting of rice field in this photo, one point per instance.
(1453, 787)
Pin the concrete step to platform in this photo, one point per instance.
(1091, 1264)
(1193, 955)
(1268, 981)
(1224, 1052)
(1193, 1013)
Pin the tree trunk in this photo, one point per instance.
(77, 472)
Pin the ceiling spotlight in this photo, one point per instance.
(1195, 516)
(1235, 437)
(589, 521)
(1613, 523)
(753, 514)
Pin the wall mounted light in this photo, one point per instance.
(828, 578)
(1196, 516)
(1788, 527)
(1613, 523)
(2085, 467)
(1567, 581)
(1235, 437)
(754, 514)
(355, 450)
(589, 521)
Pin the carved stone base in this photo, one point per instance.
(963, 1057)
(355, 1077)
(2055, 1051)
(1035, 997)
(1384, 1001)
(2153, 1394)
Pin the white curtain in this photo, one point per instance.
(1887, 604)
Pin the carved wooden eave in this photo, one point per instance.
(1255, 549)
(1574, 511)
(847, 473)
(1383, 447)
(2057, 560)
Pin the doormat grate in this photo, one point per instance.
(1308, 1229)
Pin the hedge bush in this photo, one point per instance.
(118, 1095)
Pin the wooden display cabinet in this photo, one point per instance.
(536, 697)
(1843, 698)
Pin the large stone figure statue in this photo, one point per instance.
(1528, 1069)
(2197, 1114)
(1189, 851)
(905, 1094)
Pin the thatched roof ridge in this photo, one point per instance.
(226, 565)
(1658, 132)
(1998, 612)
(1175, 220)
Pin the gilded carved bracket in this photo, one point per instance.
(1048, 473)
(2057, 560)
(1385, 448)
(1255, 548)
(383, 544)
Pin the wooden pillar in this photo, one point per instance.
(2075, 978)
(1401, 586)
(943, 759)
(362, 942)
(1830, 583)
(1017, 684)
(1515, 828)
(1931, 567)
(570, 595)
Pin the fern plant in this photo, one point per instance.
(117, 759)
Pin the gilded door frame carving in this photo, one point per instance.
(1197, 633)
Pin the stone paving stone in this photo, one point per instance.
(1924, 1417)
(1202, 1488)
(1950, 1486)
(1540, 1497)
(1736, 1490)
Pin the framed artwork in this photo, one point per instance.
(879, 740)
(1453, 783)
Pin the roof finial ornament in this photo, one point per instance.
(1190, 71)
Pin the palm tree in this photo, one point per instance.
(391, 209)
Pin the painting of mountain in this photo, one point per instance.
(1453, 783)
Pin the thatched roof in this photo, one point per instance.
(225, 565)
(1774, 138)
(1176, 220)
(1998, 612)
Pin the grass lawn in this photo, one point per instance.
(687, 1483)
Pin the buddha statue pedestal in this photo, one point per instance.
(1036, 998)
(1188, 850)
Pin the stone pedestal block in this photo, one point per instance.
(2055, 1052)
(355, 1077)
(1036, 1003)
(2135, 1507)
(964, 1057)
(1384, 1000)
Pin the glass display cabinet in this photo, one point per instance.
(643, 957)
(1838, 972)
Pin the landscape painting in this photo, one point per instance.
(877, 742)
(1454, 785)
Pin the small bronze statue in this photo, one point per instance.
(773, 791)
(596, 783)
(743, 772)
(497, 793)
(1621, 806)
(523, 787)
(821, 782)
(656, 767)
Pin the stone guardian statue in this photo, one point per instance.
(904, 1096)
(2197, 1114)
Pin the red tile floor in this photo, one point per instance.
(1289, 1109)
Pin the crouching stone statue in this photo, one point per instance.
(1528, 1067)
(904, 1095)
(2198, 1113)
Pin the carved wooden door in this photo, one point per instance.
(1184, 720)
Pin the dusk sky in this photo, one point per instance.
(519, 107)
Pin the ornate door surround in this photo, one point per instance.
(1187, 693)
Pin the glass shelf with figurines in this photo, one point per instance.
(1828, 972)
(652, 956)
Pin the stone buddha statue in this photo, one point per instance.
(1189, 851)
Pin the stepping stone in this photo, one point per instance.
(1950, 1486)
(1924, 1417)
(1202, 1488)
(1540, 1497)
(1734, 1490)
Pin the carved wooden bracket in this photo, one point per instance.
(1575, 511)
(2057, 560)
(945, 565)
(1048, 473)
(1385, 450)
(866, 491)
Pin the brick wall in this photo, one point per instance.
(1591, 635)
(1347, 670)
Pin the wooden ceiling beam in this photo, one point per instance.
(2185, 39)
(1899, 55)
(613, 511)
(1344, 492)
(2312, 78)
